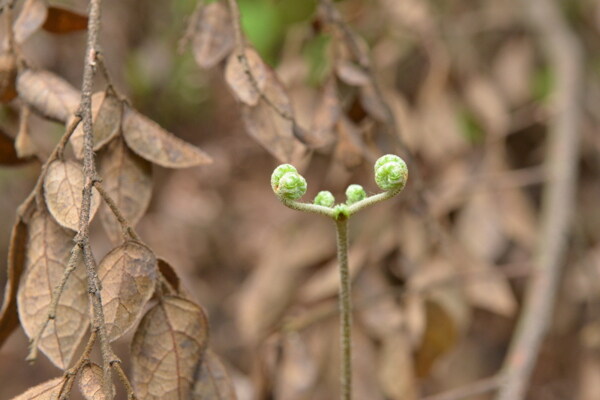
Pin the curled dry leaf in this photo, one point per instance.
(107, 113)
(349, 149)
(9, 318)
(326, 115)
(214, 37)
(61, 20)
(63, 186)
(168, 272)
(127, 179)
(48, 94)
(351, 73)
(212, 381)
(8, 75)
(395, 369)
(48, 390)
(47, 255)
(270, 121)
(128, 275)
(32, 17)
(246, 89)
(149, 140)
(24, 144)
(167, 348)
(90, 382)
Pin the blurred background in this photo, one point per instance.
(439, 272)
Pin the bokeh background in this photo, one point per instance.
(439, 272)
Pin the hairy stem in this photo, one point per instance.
(345, 309)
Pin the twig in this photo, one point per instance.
(472, 389)
(190, 27)
(124, 380)
(72, 373)
(565, 55)
(90, 177)
(125, 226)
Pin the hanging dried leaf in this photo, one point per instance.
(396, 370)
(440, 336)
(9, 318)
(48, 390)
(8, 76)
(351, 74)
(128, 274)
(23, 142)
(212, 381)
(61, 20)
(127, 179)
(244, 88)
(167, 348)
(149, 140)
(32, 16)
(50, 95)
(326, 114)
(63, 186)
(214, 37)
(47, 256)
(373, 103)
(169, 273)
(91, 382)
(8, 153)
(107, 113)
(270, 122)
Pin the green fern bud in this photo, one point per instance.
(355, 193)
(391, 172)
(324, 198)
(287, 182)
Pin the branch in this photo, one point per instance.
(565, 55)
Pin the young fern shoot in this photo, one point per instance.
(391, 174)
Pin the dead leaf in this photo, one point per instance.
(351, 73)
(513, 70)
(270, 121)
(236, 76)
(48, 94)
(214, 37)
(91, 380)
(127, 178)
(212, 381)
(349, 149)
(9, 319)
(372, 102)
(107, 113)
(47, 255)
(146, 138)
(61, 20)
(128, 275)
(23, 142)
(483, 97)
(32, 16)
(168, 272)
(8, 153)
(396, 369)
(297, 371)
(48, 390)
(63, 191)
(440, 336)
(326, 115)
(8, 76)
(167, 348)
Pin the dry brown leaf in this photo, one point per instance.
(413, 15)
(214, 37)
(351, 74)
(395, 368)
(127, 178)
(349, 149)
(373, 103)
(265, 122)
(167, 348)
(297, 371)
(63, 187)
(32, 16)
(128, 275)
(152, 142)
(91, 380)
(489, 106)
(441, 334)
(326, 115)
(8, 76)
(48, 252)
(8, 153)
(168, 272)
(61, 20)
(513, 70)
(107, 113)
(24, 144)
(47, 93)
(48, 390)
(9, 319)
(236, 76)
(212, 381)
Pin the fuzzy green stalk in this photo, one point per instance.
(345, 309)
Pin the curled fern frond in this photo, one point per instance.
(355, 193)
(324, 198)
(287, 183)
(391, 172)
